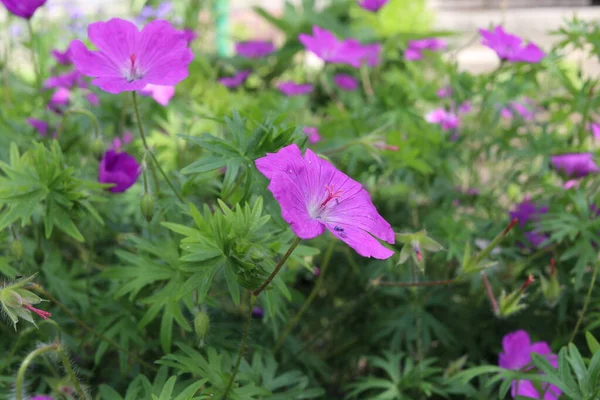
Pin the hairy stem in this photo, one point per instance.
(287, 255)
(70, 373)
(311, 297)
(25, 364)
(243, 346)
(155, 161)
(586, 303)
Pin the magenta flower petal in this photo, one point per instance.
(444, 92)
(445, 119)
(322, 43)
(162, 94)
(41, 397)
(93, 99)
(372, 5)
(314, 195)
(254, 48)
(128, 59)
(23, 8)
(345, 82)
(236, 80)
(190, 35)
(62, 57)
(118, 168)
(510, 47)
(527, 211)
(431, 44)
(595, 129)
(40, 126)
(575, 165)
(413, 54)
(66, 80)
(290, 88)
(313, 134)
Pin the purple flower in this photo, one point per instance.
(128, 59)
(323, 44)
(465, 107)
(415, 48)
(92, 98)
(313, 134)
(291, 88)
(236, 80)
(345, 82)
(66, 80)
(536, 238)
(575, 165)
(527, 211)
(60, 98)
(355, 54)
(314, 195)
(510, 47)
(258, 312)
(444, 92)
(254, 48)
(447, 120)
(518, 108)
(23, 8)
(41, 397)
(120, 169)
(595, 129)
(40, 126)
(162, 94)
(372, 5)
(62, 57)
(517, 349)
(412, 54)
(117, 142)
(190, 35)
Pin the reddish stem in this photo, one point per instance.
(490, 293)
(510, 226)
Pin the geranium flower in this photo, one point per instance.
(415, 48)
(62, 57)
(236, 80)
(162, 94)
(513, 107)
(92, 98)
(575, 165)
(291, 88)
(444, 92)
(128, 59)
(517, 349)
(40, 126)
(66, 80)
(446, 119)
(510, 47)
(190, 35)
(527, 211)
(60, 98)
(118, 168)
(372, 5)
(536, 238)
(595, 129)
(254, 48)
(345, 82)
(313, 134)
(315, 196)
(23, 8)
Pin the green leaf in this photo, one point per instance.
(592, 343)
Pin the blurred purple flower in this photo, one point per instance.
(161, 94)
(60, 98)
(314, 196)
(40, 126)
(465, 107)
(527, 211)
(41, 397)
(23, 8)
(118, 168)
(536, 238)
(92, 98)
(66, 80)
(447, 120)
(520, 109)
(510, 47)
(595, 129)
(345, 82)
(575, 165)
(258, 312)
(117, 142)
(128, 59)
(190, 35)
(516, 355)
(236, 80)
(291, 88)
(444, 92)
(415, 48)
(313, 134)
(62, 57)
(372, 5)
(412, 54)
(254, 48)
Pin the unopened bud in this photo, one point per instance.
(147, 206)
(98, 147)
(551, 289)
(16, 249)
(202, 325)
(256, 255)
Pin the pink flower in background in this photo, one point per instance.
(575, 165)
(444, 92)
(128, 59)
(66, 80)
(236, 80)
(372, 5)
(516, 355)
(415, 48)
(23, 8)
(313, 134)
(92, 98)
(315, 196)
(62, 57)
(355, 54)
(345, 82)
(118, 168)
(118, 143)
(322, 43)
(447, 120)
(254, 48)
(527, 211)
(60, 99)
(190, 35)
(515, 108)
(412, 54)
(511, 47)
(41, 397)
(595, 129)
(291, 88)
(40, 126)
(162, 94)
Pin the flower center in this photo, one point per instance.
(132, 69)
(331, 194)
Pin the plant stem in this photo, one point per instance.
(293, 246)
(25, 364)
(70, 373)
(242, 346)
(472, 265)
(587, 301)
(41, 290)
(36, 66)
(366, 81)
(415, 284)
(311, 297)
(143, 136)
(490, 293)
(82, 112)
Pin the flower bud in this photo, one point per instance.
(16, 249)
(202, 325)
(98, 147)
(147, 206)
(256, 255)
(551, 289)
(17, 302)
